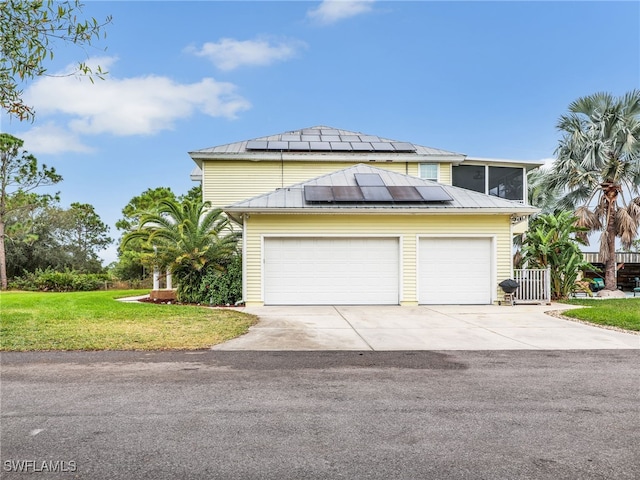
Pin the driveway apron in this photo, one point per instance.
(440, 327)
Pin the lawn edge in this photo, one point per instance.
(560, 314)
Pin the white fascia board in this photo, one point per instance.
(196, 159)
(372, 157)
(374, 211)
(528, 164)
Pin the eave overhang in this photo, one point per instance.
(199, 157)
(238, 214)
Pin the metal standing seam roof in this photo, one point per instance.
(292, 198)
(322, 139)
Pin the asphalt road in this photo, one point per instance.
(321, 415)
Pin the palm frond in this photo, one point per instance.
(587, 218)
(627, 222)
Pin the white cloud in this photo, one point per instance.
(142, 105)
(332, 11)
(52, 138)
(229, 54)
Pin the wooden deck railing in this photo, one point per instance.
(535, 285)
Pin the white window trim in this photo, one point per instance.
(436, 165)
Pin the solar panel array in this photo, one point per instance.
(372, 189)
(329, 140)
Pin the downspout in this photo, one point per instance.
(245, 218)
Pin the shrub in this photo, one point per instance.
(50, 280)
(222, 288)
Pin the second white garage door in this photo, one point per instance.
(455, 271)
(331, 271)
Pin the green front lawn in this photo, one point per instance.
(96, 321)
(620, 312)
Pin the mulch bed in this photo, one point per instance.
(175, 302)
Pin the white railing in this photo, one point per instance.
(535, 285)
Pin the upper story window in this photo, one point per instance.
(503, 182)
(429, 171)
(471, 177)
(506, 182)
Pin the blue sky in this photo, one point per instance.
(488, 79)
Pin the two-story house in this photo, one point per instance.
(338, 217)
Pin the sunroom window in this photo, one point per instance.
(506, 182)
(471, 177)
(503, 182)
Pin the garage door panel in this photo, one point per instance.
(454, 271)
(331, 271)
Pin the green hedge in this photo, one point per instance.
(222, 288)
(52, 281)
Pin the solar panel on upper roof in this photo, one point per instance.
(256, 145)
(329, 131)
(369, 180)
(376, 194)
(361, 147)
(382, 147)
(315, 193)
(299, 146)
(434, 194)
(320, 146)
(341, 146)
(330, 138)
(403, 147)
(347, 194)
(405, 194)
(276, 145)
(290, 137)
(310, 138)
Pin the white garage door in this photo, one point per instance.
(454, 271)
(331, 271)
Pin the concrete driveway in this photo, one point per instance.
(448, 327)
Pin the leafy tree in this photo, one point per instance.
(52, 238)
(194, 194)
(82, 235)
(31, 243)
(130, 264)
(19, 176)
(553, 241)
(188, 237)
(30, 31)
(598, 166)
(147, 202)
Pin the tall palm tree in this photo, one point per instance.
(598, 166)
(539, 193)
(187, 237)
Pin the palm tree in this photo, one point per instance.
(598, 166)
(189, 238)
(539, 193)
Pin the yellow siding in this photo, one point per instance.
(227, 182)
(296, 172)
(407, 227)
(444, 175)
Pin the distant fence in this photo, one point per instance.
(535, 285)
